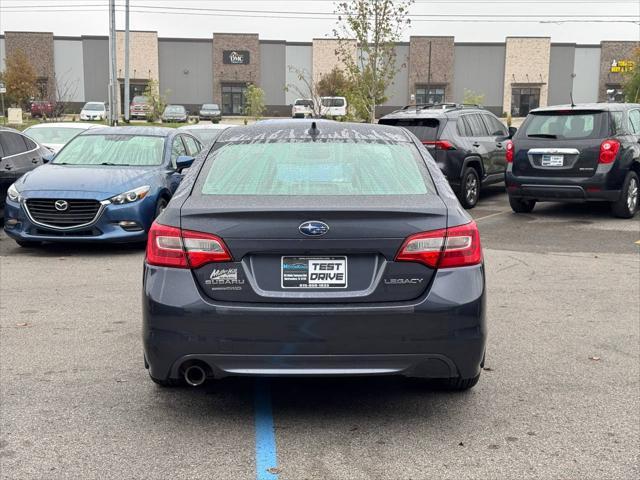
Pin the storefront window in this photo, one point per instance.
(233, 99)
(523, 100)
(429, 95)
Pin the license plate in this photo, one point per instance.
(313, 272)
(552, 160)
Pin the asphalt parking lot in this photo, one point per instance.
(559, 397)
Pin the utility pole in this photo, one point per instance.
(113, 78)
(428, 76)
(126, 62)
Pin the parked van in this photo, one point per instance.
(333, 106)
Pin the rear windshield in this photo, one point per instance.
(333, 102)
(423, 128)
(112, 150)
(573, 125)
(206, 135)
(304, 103)
(315, 168)
(53, 135)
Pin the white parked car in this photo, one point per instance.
(206, 132)
(54, 136)
(333, 106)
(93, 111)
(302, 108)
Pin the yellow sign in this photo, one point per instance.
(622, 66)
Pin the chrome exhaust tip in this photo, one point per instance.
(195, 375)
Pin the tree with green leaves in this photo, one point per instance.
(157, 101)
(254, 102)
(375, 26)
(632, 80)
(20, 79)
(334, 84)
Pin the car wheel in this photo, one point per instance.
(627, 204)
(469, 188)
(520, 205)
(160, 206)
(455, 384)
(28, 244)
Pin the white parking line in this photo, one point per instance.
(492, 215)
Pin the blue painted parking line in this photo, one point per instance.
(266, 457)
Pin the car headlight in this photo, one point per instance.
(13, 193)
(131, 196)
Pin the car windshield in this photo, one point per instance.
(140, 99)
(575, 125)
(54, 135)
(94, 107)
(116, 150)
(210, 106)
(426, 129)
(304, 103)
(315, 168)
(206, 135)
(174, 109)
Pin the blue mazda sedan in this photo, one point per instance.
(106, 185)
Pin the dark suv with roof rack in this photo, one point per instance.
(467, 142)
(580, 153)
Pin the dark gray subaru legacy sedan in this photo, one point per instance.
(311, 248)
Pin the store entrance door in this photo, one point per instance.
(233, 99)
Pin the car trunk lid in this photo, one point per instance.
(273, 260)
(563, 143)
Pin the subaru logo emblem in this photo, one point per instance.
(61, 205)
(313, 228)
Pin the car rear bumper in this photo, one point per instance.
(572, 189)
(440, 335)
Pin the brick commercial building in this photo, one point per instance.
(513, 77)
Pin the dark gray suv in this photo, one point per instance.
(467, 142)
(314, 248)
(18, 155)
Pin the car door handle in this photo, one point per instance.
(34, 160)
(476, 144)
(498, 145)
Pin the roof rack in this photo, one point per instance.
(438, 106)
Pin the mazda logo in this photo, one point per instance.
(61, 205)
(313, 228)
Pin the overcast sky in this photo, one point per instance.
(500, 18)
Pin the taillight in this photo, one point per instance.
(450, 247)
(509, 150)
(173, 247)
(439, 144)
(608, 151)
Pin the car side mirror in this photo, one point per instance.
(46, 158)
(184, 161)
(512, 131)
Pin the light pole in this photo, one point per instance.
(126, 62)
(113, 80)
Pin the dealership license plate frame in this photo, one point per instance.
(309, 261)
(552, 160)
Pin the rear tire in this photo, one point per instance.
(456, 384)
(168, 383)
(520, 205)
(627, 204)
(469, 188)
